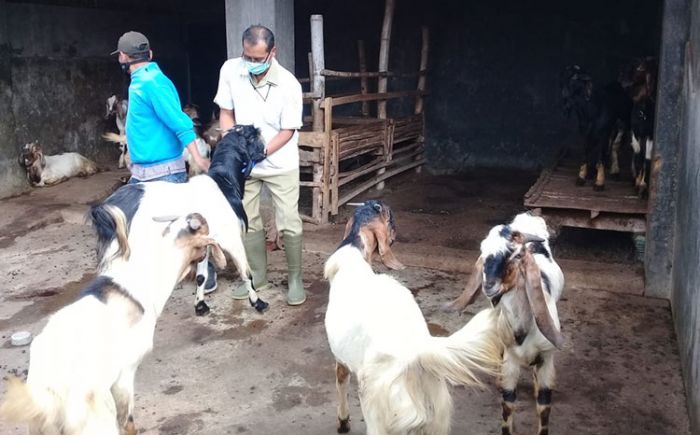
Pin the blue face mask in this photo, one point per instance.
(257, 68)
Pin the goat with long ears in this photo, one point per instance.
(373, 228)
(218, 194)
(83, 363)
(403, 371)
(517, 272)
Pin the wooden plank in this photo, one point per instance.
(308, 158)
(311, 139)
(310, 219)
(335, 160)
(357, 98)
(367, 185)
(555, 188)
(327, 123)
(633, 223)
(347, 177)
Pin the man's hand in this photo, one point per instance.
(203, 163)
(198, 159)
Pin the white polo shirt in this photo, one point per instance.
(272, 105)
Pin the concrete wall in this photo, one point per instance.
(686, 269)
(56, 73)
(494, 66)
(277, 15)
(11, 176)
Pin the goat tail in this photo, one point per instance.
(110, 223)
(22, 406)
(474, 349)
(114, 137)
(400, 396)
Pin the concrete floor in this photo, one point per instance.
(236, 371)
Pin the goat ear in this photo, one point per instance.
(471, 290)
(535, 295)
(348, 226)
(383, 235)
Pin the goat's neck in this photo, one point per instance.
(151, 283)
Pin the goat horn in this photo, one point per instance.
(165, 218)
(535, 295)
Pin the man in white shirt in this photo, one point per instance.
(255, 89)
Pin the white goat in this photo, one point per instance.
(517, 272)
(120, 139)
(377, 331)
(218, 195)
(47, 170)
(118, 107)
(83, 363)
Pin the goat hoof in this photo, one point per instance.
(580, 181)
(201, 308)
(599, 187)
(344, 425)
(260, 305)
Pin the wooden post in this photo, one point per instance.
(319, 82)
(422, 71)
(384, 67)
(422, 79)
(384, 55)
(362, 56)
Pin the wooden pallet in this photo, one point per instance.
(555, 196)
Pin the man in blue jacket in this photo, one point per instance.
(157, 130)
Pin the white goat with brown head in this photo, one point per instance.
(376, 330)
(82, 365)
(43, 170)
(517, 272)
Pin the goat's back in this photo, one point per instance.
(369, 313)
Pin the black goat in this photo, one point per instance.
(642, 90)
(603, 115)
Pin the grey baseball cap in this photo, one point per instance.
(133, 44)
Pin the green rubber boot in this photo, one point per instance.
(256, 252)
(292, 249)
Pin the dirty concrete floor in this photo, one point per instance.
(236, 371)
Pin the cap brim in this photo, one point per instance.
(114, 52)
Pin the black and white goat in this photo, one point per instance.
(643, 93)
(45, 170)
(82, 365)
(217, 195)
(377, 331)
(118, 108)
(603, 115)
(517, 272)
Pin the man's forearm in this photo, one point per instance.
(226, 120)
(279, 141)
